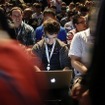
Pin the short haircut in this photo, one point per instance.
(63, 8)
(49, 11)
(51, 26)
(75, 18)
(15, 8)
(37, 5)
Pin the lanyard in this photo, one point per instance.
(49, 55)
(19, 30)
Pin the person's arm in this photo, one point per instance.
(37, 68)
(80, 89)
(76, 52)
(77, 64)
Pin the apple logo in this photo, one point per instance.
(53, 80)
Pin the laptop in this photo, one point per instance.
(57, 78)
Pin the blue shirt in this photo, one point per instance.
(39, 32)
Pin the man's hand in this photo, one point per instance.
(80, 93)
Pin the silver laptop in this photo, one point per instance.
(57, 78)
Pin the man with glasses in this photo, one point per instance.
(81, 47)
(79, 23)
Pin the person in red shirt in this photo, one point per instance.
(19, 83)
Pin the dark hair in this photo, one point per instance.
(75, 19)
(4, 25)
(51, 26)
(63, 8)
(84, 9)
(70, 13)
(3, 21)
(49, 11)
(37, 5)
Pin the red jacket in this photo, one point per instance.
(18, 83)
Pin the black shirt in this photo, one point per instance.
(55, 62)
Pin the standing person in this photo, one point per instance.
(24, 32)
(19, 85)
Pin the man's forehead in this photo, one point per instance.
(16, 12)
(49, 14)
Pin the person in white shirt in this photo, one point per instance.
(80, 50)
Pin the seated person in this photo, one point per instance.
(49, 13)
(53, 54)
(24, 32)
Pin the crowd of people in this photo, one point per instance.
(56, 36)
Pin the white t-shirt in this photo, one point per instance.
(81, 46)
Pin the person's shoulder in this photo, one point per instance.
(61, 43)
(85, 33)
(68, 23)
(62, 29)
(29, 27)
(15, 50)
(39, 43)
(39, 27)
(80, 33)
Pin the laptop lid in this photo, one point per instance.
(57, 78)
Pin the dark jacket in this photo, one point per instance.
(38, 49)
